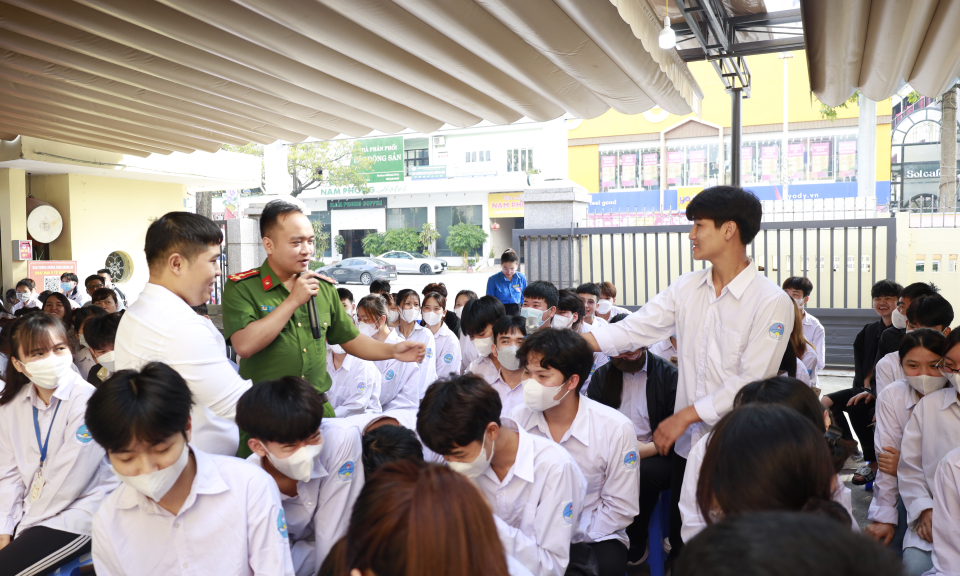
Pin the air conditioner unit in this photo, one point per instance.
(439, 141)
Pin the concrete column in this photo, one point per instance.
(244, 248)
(867, 149)
(13, 223)
(556, 209)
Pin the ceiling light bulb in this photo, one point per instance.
(668, 38)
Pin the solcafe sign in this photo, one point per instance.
(922, 173)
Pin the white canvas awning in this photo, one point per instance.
(146, 76)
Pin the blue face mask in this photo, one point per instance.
(66, 287)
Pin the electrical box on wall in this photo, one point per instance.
(23, 250)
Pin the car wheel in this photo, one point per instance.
(366, 278)
(425, 269)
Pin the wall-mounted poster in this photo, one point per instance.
(628, 171)
(795, 161)
(651, 169)
(769, 162)
(820, 159)
(697, 160)
(674, 167)
(848, 159)
(608, 171)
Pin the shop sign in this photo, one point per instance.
(387, 156)
(508, 205)
(356, 203)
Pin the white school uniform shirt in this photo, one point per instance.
(946, 516)
(814, 333)
(725, 342)
(603, 443)
(447, 352)
(894, 406)
(232, 522)
(537, 506)
(808, 364)
(406, 417)
(160, 326)
(399, 381)
(468, 352)
(801, 372)
(888, 371)
(510, 398)
(355, 388)
(599, 358)
(664, 349)
(932, 431)
(33, 302)
(84, 361)
(77, 476)
(633, 403)
(428, 366)
(320, 512)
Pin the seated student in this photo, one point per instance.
(507, 285)
(27, 296)
(798, 398)
(399, 381)
(450, 318)
(607, 305)
(570, 313)
(101, 335)
(477, 322)
(533, 486)
(313, 464)
(920, 353)
(387, 444)
(590, 294)
(502, 368)
(346, 298)
(93, 283)
(931, 311)
(447, 361)
(107, 276)
(178, 506)
(355, 383)
(890, 337)
(49, 490)
(83, 359)
(70, 287)
(106, 298)
(58, 306)
(798, 349)
(405, 418)
(799, 288)
(946, 515)
(601, 440)
(468, 352)
(380, 286)
(932, 431)
(643, 387)
(410, 328)
(540, 299)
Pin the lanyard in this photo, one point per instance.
(36, 427)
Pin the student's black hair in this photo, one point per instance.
(589, 288)
(33, 331)
(508, 324)
(509, 256)
(273, 212)
(918, 289)
(562, 350)
(149, 405)
(64, 301)
(542, 290)
(618, 317)
(105, 272)
(784, 544)
(380, 286)
(29, 283)
(287, 410)
(345, 294)
(570, 302)
(374, 305)
(438, 287)
(788, 363)
(801, 283)
(403, 294)
(928, 338)
(455, 411)
(69, 277)
(387, 444)
(930, 310)
(92, 277)
(952, 340)
(101, 331)
(886, 288)
(470, 294)
(104, 294)
(179, 233)
(724, 204)
(480, 313)
(82, 314)
(438, 297)
(201, 309)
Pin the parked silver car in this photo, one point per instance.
(414, 263)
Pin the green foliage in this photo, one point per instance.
(337, 163)
(464, 239)
(339, 243)
(405, 239)
(321, 239)
(428, 235)
(828, 113)
(315, 264)
(913, 97)
(374, 244)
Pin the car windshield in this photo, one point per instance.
(378, 262)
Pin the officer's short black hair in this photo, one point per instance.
(455, 412)
(570, 302)
(801, 283)
(886, 289)
(563, 350)
(29, 283)
(387, 444)
(178, 233)
(273, 212)
(918, 289)
(929, 311)
(542, 290)
(508, 324)
(149, 405)
(100, 332)
(380, 286)
(69, 277)
(480, 313)
(287, 410)
(345, 294)
(724, 204)
(589, 288)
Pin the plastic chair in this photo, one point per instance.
(72, 568)
(658, 529)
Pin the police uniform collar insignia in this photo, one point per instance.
(244, 275)
(267, 282)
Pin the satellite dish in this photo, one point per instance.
(44, 223)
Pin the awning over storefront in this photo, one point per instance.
(181, 75)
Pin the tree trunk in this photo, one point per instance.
(205, 204)
(948, 151)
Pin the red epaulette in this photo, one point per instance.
(244, 275)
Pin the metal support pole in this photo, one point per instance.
(736, 134)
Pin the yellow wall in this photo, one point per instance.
(102, 215)
(13, 223)
(584, 166)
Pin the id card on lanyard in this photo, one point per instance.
(36, 488)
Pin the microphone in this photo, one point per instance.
(312, 312)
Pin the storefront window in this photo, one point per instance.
(406, 218)
(448, 216)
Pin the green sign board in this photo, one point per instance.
(387, 155)
(353, 203)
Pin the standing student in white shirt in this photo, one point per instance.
(799, 288)
(601, 440)
(448, 346)
(316, 466)
(399, 381)
(355, 383)
(533, 486)
(946, 515)
(52, 475)
(183, 253)
(410, 328)
(502, 368)
(732, 324)
(179, 510)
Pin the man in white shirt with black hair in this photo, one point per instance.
(732, 324)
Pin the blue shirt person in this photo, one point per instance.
(508, 284)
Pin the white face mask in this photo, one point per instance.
(474, 469)
(155, 485)
(507, 356)
(48, 372)
(392, 317)
(898, 319)
(83, 341)
(299, 465)
(432, 318)
(533, 317)
(952, 378)
(799, 302)
(108, 361)
(23, 297)
(368, 329)
(483, 345)
(410, 315)
(538, 397)
(925, 384)
(604, 306)
(560, 322)
(336, 349)
(458, 311)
